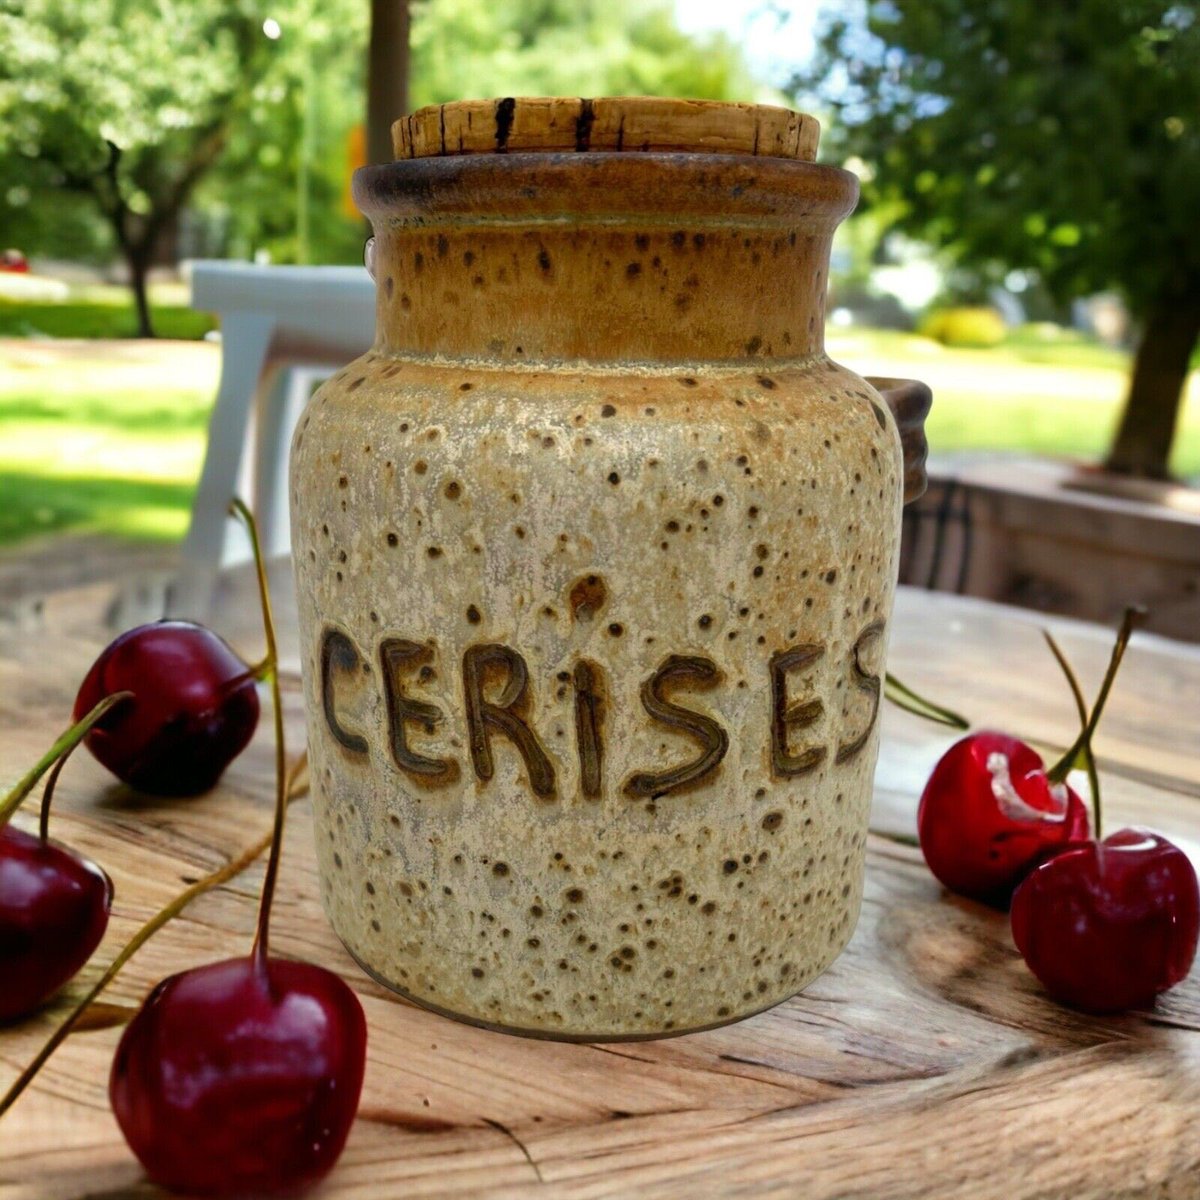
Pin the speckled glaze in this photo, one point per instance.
(595, 553)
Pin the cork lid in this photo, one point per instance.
(619, 123)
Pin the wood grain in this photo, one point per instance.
(925, 1063)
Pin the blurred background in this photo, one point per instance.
(1026, 243)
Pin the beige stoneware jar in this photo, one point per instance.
(595, 552)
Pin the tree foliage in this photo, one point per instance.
(124, 104)
(291, 139)
(1059, 137)
(1062, 138)
(566, 48)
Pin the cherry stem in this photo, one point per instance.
(1089, 759)
(65, 744)
(48, 795)
(222, 875)
(260, 672)
(1066, 764)
(271, 667)
(904, 697)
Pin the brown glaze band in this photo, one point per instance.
(603, 257)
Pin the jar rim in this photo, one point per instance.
(605, 187)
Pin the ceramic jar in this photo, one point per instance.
(595, 553)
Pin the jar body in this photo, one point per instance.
(593, 661)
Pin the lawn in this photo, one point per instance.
(109, 436)
(97, 319)
(1034, 396)
(105, 436)
(93, 311)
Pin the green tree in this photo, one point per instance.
(124, 103)
(281, 184)
(1063, 138)
(463, 49)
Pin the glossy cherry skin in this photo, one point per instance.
(1109, 925)
(234, 1082)
(989, 815)
(194, 708)
(54, 907)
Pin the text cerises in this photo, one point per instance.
(497, 701)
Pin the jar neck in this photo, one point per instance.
(712, 259)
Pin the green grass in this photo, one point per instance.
(1031, 395)
(110, 437)
(29, 307)
(1046, 343)
(36, 503)
(97, 319)
(105, 440)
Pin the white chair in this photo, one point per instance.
(283, 329)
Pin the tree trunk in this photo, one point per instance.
(387, 75)
(1142, 445)
(138, 261)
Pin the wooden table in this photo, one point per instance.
(925, 1063)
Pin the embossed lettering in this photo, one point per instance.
(339, 653)
(497, 695)
(504, 714)
(868, 682)
(785, 717)
(588, 714)
(700, 673)
(398, 657)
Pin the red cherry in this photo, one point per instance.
(194, 710)
(990, 813)
(54, 907)
(241, 1079)
(1109, 925)
(54, 903)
